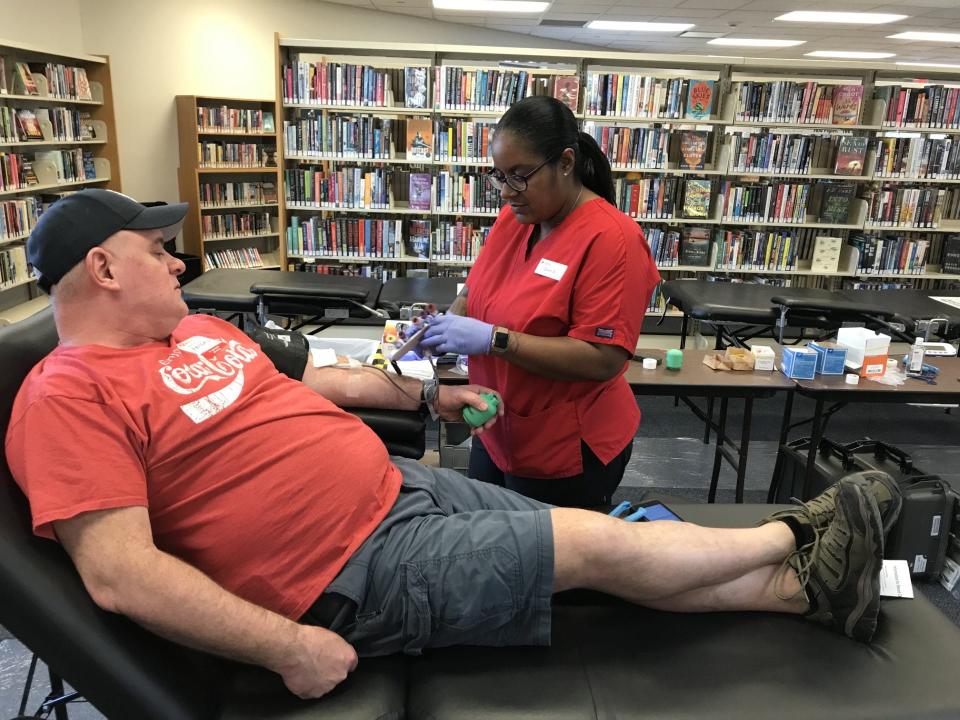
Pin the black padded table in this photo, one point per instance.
(399, 292)
(331, 297)
(758, 308)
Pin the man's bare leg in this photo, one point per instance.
(650, 563)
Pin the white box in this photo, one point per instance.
(866, 350)
(762, 357)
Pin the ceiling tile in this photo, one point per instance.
(713, 4)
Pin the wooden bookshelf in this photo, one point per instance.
(231, 122)
(727, 74)
(52, 175)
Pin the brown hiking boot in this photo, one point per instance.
(840, 570)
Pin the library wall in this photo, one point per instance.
(223, 48)
(50, 24)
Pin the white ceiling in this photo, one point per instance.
(734, 18)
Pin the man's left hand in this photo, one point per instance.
(453, 398)
(457, 334)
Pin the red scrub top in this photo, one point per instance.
(590, 279)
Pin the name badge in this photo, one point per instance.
(550, 269)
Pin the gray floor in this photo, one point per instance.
(671, 461)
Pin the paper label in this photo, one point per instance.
(935, 526)
(550, 269)
(919, 564)
(895, 579)
(322, 357)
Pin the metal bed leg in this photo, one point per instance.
(718, 455)
(709, 413)
(815, 438)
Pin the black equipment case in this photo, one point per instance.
(921, 534)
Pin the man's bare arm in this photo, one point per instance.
(125, 573)
(459, 305)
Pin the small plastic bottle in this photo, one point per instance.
(916, 356)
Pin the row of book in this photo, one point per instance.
(240, 120)
(339, 136)
(900, 205)
(631, 147)
(457, 88)
(313, 236)
(779, 152)
(17, 171)
(24, 125)
(461, 241)
(934, 106)
(231, 225)
(756, 250)
(646, 96)
(230, 154)
(459, 141)
(339, 84)
(348, 187)
(18, 217)
(890, 254)
(218, 194)
(235, 258)
(462, 192)
(64, 82)
(371, 271)
(786, 202)
(663, 198)
(786, 101)
(918, 157)
(13, 266)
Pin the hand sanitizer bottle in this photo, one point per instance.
(916, 356)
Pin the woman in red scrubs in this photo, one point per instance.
(551, 312)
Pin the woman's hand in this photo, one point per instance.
(451, 399)
(457, 334)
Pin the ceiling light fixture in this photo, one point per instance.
(755, 42)
(626, 26)
(929, 64)
(848, 18)
(849, 55)
(506, 6)
(928, 36)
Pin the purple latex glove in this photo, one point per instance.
(457, 334)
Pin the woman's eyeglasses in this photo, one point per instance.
(515, 182)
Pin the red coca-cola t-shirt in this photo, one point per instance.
(242, 469)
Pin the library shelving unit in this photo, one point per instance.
(229, 175)
(736, 168)
(57, 135)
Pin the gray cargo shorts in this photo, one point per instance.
(455, 562)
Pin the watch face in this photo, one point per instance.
(500, 339)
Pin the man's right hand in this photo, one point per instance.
(319, 661)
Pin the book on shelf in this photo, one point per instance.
(890, 254)
(847, 100)
(28, 125)
(650, 198)
(696, 199)
(700, 99)
(419, 139)
(269, 191)
(693, 149)
(950, 255)
(664, 246)
(82, 84)
(695, 247)
(268, 124)
(3, 75)
(415, 87)
(421, 185)
(418, 239)
(826, 253)
(631, 147)
(566, 89)
(23, 82)
(851, 155)
(835, 200)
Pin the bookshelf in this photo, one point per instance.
(57, 135)
(229, 175)
(817, 142)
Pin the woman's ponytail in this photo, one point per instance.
(593, 168)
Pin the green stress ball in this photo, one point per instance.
(674, 359)
(477, 418)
